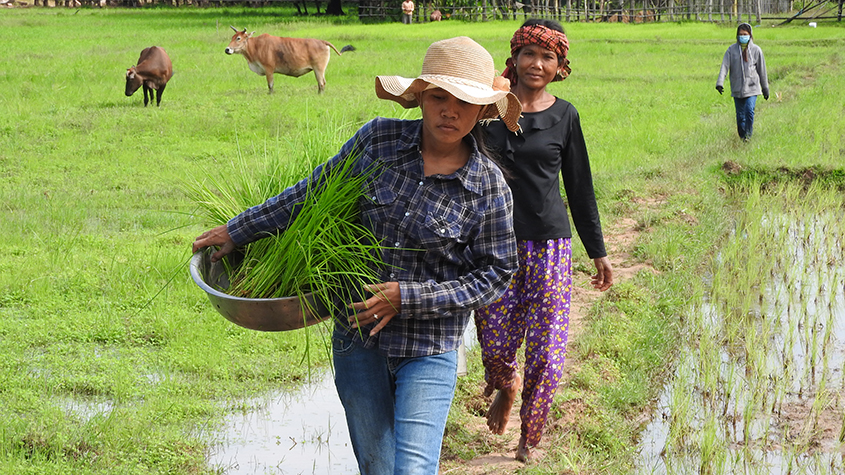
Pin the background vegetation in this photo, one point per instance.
(97, 310)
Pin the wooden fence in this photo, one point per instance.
(623, 11)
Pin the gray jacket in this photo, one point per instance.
(748, 78)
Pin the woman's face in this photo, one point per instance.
(447, 119)
(536, 66)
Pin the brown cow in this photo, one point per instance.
(153, 71)
(267, 54)
(436, 15)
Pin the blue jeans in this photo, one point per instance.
(745, 116)
(396, 408)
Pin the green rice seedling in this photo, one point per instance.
(709, 360)
(321, 240)
(713, 453)
(323, 249)
(821, 402)
(729, 390)
(682, 406)
(780, 390)
(748, 416)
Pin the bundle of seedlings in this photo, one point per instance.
(324, 251)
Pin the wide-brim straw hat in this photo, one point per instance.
(463, 68)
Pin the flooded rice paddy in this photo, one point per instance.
(759, 388)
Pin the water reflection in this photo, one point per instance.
(293, 432)
(83, 409)
(296, 432)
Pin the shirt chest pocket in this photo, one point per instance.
(448, 232)
(378, 205)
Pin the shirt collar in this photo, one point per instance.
(470, 175)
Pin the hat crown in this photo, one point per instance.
(460, 58)
(464, 69)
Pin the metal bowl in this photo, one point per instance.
(269, 315)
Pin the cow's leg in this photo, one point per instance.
(319, 65)
(158, 96)
(321, 79)
(147, 90)
(269, 82)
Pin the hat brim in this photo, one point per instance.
(501, 104)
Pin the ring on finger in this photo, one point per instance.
(375, 316)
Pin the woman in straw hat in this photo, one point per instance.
(443, 213)
(535, 307)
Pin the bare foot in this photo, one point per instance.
(500, 410)
(523, 452)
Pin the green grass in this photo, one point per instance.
(96, 304)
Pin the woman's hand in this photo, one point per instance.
(603, 279)
(380, 308)
(218, 236)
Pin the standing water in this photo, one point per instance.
(298, 432)
(295, 432)
(760, 388)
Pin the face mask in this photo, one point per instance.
(744, 39)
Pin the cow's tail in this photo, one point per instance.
(342, 50)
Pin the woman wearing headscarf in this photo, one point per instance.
(535, 308)
(443, 213)
(747, 68)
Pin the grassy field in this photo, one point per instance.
(96, 306)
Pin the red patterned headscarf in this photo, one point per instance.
(543, 37)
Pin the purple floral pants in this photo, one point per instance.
(535, 308)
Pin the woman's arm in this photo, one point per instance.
(761, 71)
(578, 183)
(723, 70)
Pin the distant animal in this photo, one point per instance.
(267, 54)
(153, 71)
(436, 15)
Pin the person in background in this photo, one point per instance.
(407, 11)
(535, 308)
(443, 213)
(747, 68)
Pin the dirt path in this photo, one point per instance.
(619, 239)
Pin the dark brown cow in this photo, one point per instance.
(153, 71)
(267, 54)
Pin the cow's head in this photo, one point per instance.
(238, 43)
(133, 81)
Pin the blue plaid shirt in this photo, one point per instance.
(447, 239)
